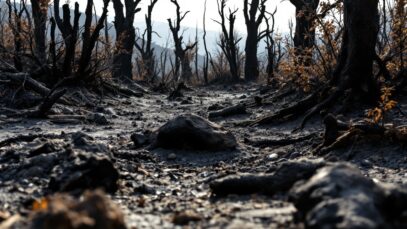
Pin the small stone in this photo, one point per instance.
(88, 172)
(273, 157)
(139, 140)
(172, 156)
(185, 217)
(99, 119)
(43, 149)
(366, 163)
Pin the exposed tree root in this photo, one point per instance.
(339, 134)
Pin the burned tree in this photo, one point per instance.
(69, 34)
(181, 57)
(147, 63)
(15, 21)
(257, 8)
(228, 41)
(304, 38)
(90, 37)
(273, 48)
(355, 67)
(354, 72)
(125, 37)
(39, 13)
(206, 61)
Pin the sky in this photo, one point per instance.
(165, 9)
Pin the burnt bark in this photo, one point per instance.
(304, 37)
(90, 38)
(69, 34)
(125, 38)
(257, 7)
(354, 70)
(355, 67)
(39, 12)
(206, 62)
(15, 23)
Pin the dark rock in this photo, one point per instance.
(183, 218)
(145, 189)
(140, 140)
(84, 172)
(81, 139)
(192, 132)
(98, 118)
(186, 102)
(95, 211)
(339, 196)
(46, 148)
(215, 107)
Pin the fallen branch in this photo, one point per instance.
(26, 80)
(289, 112)
(229, 111)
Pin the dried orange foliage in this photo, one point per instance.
(386, 104)
(40, 204)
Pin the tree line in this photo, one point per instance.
(328, 40)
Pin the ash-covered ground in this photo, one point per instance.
(109, 147)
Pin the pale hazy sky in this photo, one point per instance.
(165, 9)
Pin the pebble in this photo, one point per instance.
(273, 157)
(172, 156)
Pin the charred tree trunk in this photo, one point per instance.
(15, 24)
(251, 68)
(39, 12)
(271, 49)
(147, 62)
(228, 42)
(304, 37)
(181, 56)
(69, 33)
(90, 38)
(355, 67)
(206, 61)
(125, 38)
(354, 70)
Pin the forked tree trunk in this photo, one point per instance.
(257, 8)
(125, 38)
(355, 66)
(181, 54)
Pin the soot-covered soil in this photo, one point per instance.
(164, 188)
